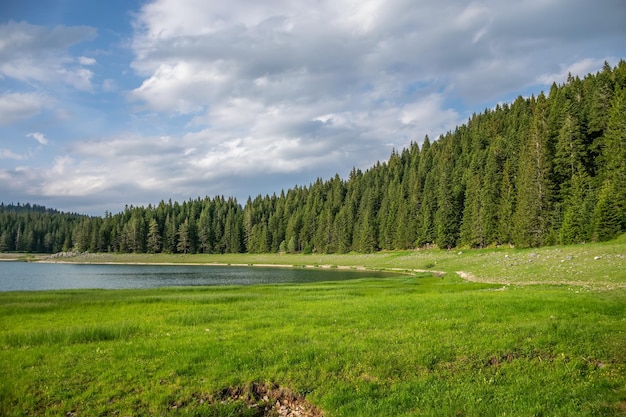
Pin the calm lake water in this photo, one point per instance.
(32, 276)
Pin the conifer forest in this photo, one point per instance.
(542, 170)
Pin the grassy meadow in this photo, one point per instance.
(535, 333)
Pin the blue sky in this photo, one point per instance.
(104, 104)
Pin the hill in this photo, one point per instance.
(542, 170)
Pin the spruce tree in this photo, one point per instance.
(600, 102)
(613, 192)
(154, 237)
(205, 237)
(570, 153)
(184, 243)
(490, 190)
(607, 223)
(576, 227)
(342, 230)
(530, 222)
(447, 214)
(4, 241)
(427, 210)
(365, 230)
(291, 246)
(472, 228)
(403, 238)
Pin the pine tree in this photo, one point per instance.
(323, 234)
(615, 151)
(135, 232)
(170, 238)
(277, 225)
(82, 234)
(233, 230)
(67, 242)
(427, 203)
(427, 210)
(4, 241)
(249, 222)
(27, 241)
(600, 102)
(447, 214)
(506, 207)
(606, 217)
(472, 228)
(530, 222)
(18, 238)
(294, 226)
(193, 233)
(576, 226)
(365, 229)
(610, 212)
(154, 237)
(205, 238)
(490, 191)
(403, 238)
(341, 241)
(291, 246)
(570, 152)
(183, 237)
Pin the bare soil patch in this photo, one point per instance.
(262, 400)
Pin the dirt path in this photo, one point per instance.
(596, 285)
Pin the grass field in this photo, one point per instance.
(543, 335)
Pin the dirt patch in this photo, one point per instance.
(499, 360)
(260, 400)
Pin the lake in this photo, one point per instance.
(33, 276)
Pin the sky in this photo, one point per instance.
(111, 103)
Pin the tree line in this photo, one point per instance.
(542, 170)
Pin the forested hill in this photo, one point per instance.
(539, 171)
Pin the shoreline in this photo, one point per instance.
(250, 265)
(361, 268)
(464, 275)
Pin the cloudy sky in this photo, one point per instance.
(107, 103)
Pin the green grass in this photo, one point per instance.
(409, 345)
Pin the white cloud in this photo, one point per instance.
(83, 60)
(430, 116)
(578, 68)
(39, 137)
(8, 154)
(65, 178)
(32, 53)
(337, 55)
(246, 97)
(16, 107)
(184, 87)
(275, 88)
(79, 78)
(109, 85)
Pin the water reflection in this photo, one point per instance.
(23, 276)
